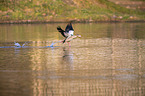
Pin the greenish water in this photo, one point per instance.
(108, 60)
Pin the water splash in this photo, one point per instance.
(24, 44)
(17, 45)
(52, 44)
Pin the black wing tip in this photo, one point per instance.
(61, 31)
(58, 28)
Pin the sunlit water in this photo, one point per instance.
(108, 60)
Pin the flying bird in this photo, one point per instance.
(68, 33)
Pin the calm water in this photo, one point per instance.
(109, 60)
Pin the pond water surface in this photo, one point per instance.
(108, 60)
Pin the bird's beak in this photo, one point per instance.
(79, 36)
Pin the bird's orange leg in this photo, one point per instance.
(69, 44)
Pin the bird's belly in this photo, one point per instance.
(71, 32)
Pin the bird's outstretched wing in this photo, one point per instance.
(61, 31)
(68, 27)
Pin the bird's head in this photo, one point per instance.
(78, 35)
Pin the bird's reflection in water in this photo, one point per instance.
(17, 52)
(68, 58)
